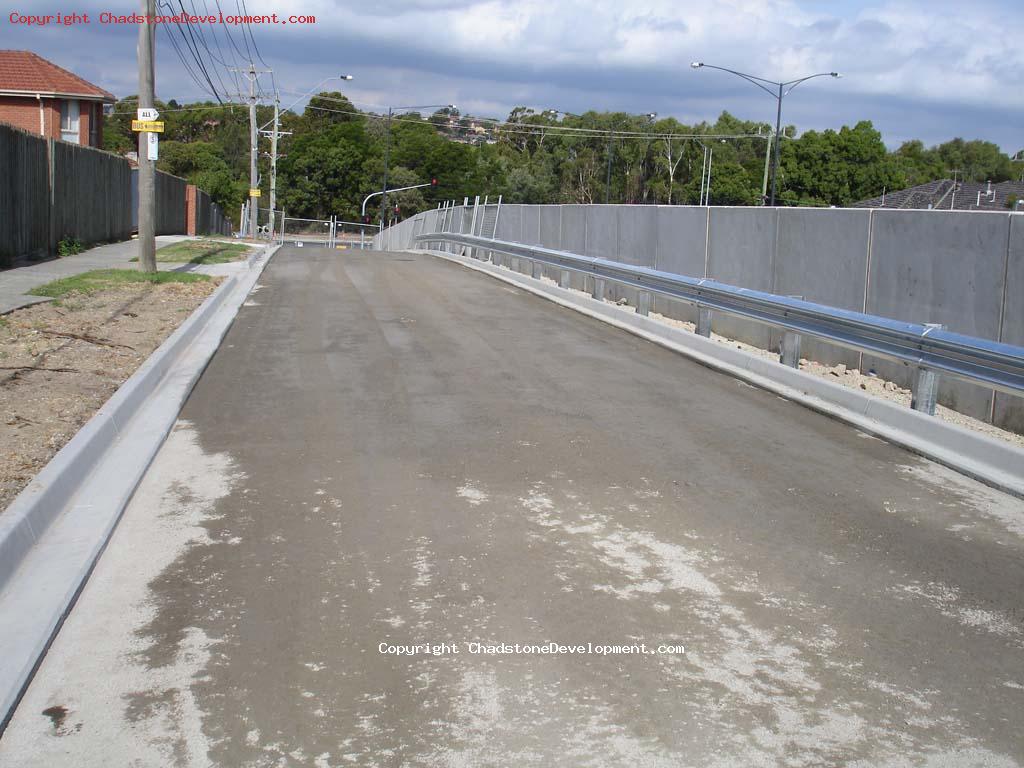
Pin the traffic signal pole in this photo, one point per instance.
(431, 183)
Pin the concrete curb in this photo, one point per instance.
(983, 458)
(54, 531)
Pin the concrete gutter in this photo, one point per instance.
(983, 458)
(54, 531)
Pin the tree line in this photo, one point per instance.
(334, 157)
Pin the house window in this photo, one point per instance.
(69, 121)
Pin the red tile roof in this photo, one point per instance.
(26, 71)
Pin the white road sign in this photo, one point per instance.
(148, 114)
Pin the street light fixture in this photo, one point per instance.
(783, 90)
(387, 150)
(308, 93)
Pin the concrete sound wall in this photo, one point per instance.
(959, 268)
(937, 268)
(681, 248)
(741, 251)
(1009, 411)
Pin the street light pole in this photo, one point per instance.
(775, 160)
(387, 160)
(783, 90)
(705, 173)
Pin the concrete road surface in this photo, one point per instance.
(392, 452)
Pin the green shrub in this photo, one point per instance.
(69, 246)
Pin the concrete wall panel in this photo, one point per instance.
(929, 267)
(1009, 410)
(822, 255)
(550, 226)
(638, 234)
(574, 229)
(681, 249)
(531, 225)
(741, 251)
(602, 231)
(682, 239)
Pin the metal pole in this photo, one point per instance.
(767, 159)
(273, 166)
(707, 193)
(253, 149)
(778, 129)
(387, 159)
(703, 173)
(608, 180)
(147, 167)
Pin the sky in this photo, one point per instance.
(928, 70)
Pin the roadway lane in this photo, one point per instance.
(391, 449)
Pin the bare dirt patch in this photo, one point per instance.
(59, 362)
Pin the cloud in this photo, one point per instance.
(930, 69)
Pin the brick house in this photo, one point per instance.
(38, 96)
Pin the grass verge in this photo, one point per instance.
(105, 279)
(201, 252)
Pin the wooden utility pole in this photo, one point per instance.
(147, 167)
(254, 202)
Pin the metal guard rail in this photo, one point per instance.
(998, 365)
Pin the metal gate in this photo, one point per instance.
(310, 232)
(354, 234)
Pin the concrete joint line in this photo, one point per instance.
(54, 531)
(983, 458)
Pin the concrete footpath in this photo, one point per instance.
(16, 283)
(400, 481)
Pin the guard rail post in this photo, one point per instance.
(564, 279)
(789, 352)
(536, 270)
(789, 349)
(598, 292)
(704, 322)
(925, 391)
(643, 303)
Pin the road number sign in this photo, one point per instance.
(147, 114)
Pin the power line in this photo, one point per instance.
(537, 130)
(193, 49)
(202, 41)
(248, 26)
(184, 60)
